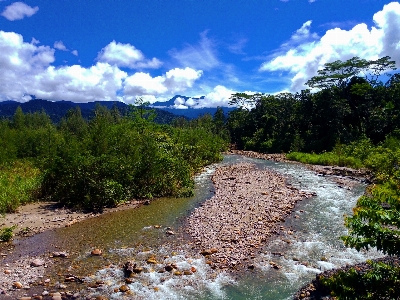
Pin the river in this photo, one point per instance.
(311, 246)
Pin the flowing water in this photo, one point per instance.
(140, 234)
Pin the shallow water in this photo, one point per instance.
(313, 247)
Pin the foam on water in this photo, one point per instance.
(151, 284)
(316, 245)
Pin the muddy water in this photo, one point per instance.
(140, 234)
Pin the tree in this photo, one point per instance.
(18, 121)
(339, 73)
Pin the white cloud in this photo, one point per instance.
(305, 52)
(202, 56)
(219, 96)
(35, 41)
(174, 81)
(74, 52)
(18, 11)
(126, 55)
(20, 61)
(79, 84)
(59, 45)
(27, 69)
(179, 103)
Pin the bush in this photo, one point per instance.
(6, 233)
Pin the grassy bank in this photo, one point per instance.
(20, 183)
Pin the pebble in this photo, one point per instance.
(123, 288)
(37, 262)
(96, 252)
(17, 285)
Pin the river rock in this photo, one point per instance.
(17, 285)
(168, 268)
(60, 254)
(37, 262)
(124, 288)
(152, 260)
(96, 252)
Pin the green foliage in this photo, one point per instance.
(20, 183)
(380, 281)
(325, 159)
(105, 161)
(339, 73)
(6, 233)
(376, 220)
(350, 105)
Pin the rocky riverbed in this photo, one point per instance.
(248, 206)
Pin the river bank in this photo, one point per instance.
(229, 257)
(21, 274)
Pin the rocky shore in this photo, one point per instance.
(20, 276)
(248, 206)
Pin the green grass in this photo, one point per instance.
(325, 159)
(19, 184)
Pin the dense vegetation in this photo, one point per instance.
(104, 161)
(347, 108)
(354, 121)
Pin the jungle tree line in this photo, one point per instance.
(107, 160)
(351, 103)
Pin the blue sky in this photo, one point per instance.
(118, 50)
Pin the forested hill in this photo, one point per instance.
(58, 109)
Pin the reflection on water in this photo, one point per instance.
(311, 245)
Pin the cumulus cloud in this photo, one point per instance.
(201, 56)
(305, 52)
(27, 69)
(79, 84)
(173, 81)
(220, 96)
(126, 55)
(18, 11)
(18, 62)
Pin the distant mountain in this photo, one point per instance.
(57, 109)
(190, 113)
(193, 113)
(166, 112)
(171, 102)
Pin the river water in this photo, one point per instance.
(312, 246)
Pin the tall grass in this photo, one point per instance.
(325, 159)
(19, 184)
